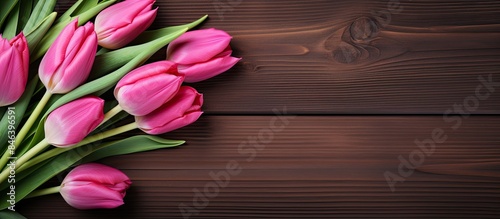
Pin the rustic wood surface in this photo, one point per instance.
(319, 64)
(314, 167)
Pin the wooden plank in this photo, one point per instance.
(323, 56)
(309, 167)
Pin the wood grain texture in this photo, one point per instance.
(317, 59)
(314, 167)
(323, 56)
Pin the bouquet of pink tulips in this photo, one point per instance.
(67, 81)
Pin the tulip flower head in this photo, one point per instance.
(182, 110)
(72, 122)
(92, 185)
(148, 87)
(202, 54)
(68, 61)
(120, 23)
(14, 63)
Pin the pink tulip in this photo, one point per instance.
(92, 185)
(14, 63)
(202, 54)
(69, 59)
(119, 24)
(148, 87)
(182, 110)
(72, 122)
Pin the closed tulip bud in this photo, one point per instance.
(148, 87)
(72, 122)
(202, 54)
(69, 59)
(92, 185)
(14, 62)
(119, 24)
(182, 110)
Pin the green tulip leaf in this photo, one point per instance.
(91, 152)
(35, 35)
(21, 175)
(24, 12)
(79, 7)
(10, 30)
(3, 113)
(84, 6)
(42, 9)
(138, 143)
(8, 214)
(16, 115)
(68, 14)
(3, 109)
(88, 13)
(150, 35)
(7, 6)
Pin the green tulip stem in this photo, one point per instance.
(47, 191)
(31, 120)
(5, 158)
(32, 152)
(24, 130)
(117, 109)
(25, 157)
(56, 151)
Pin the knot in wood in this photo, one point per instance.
(363, 29)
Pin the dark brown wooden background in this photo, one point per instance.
(358, 89)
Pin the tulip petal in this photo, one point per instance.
(72, 122)
(152, 93)
(198, 46)
(202, 54)
(90, 186)
(11, 84)
(183, 109)
(120, 37)
(148, 87)
(96, 173)
(174, 124)
(4, 43)
(14, 63)
(119, 24)
(69, 60)
(55, 54)
(78, 62)
(22, 46)
(120, 14)
(90, 196)
(145, 71)
(202, 71)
